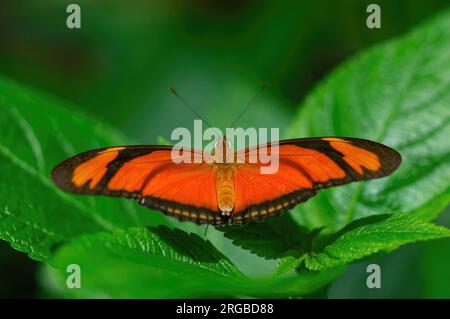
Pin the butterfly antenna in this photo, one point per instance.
(263, 88)
(206, 230)
(183, 101)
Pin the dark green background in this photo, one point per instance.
(119, 65)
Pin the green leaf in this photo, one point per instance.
(397, 93)
(36, 133)
(287, 264)
(371, 235)
(154, 262)
(160, 262)
(271, 239)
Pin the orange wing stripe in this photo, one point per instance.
(318, 165)
(253, 188)
(299, 168)
(189, 184)
(132, 175)
(95, 168)
(357, 157)
(157, 176)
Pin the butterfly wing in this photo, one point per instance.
(148, 174)
(188, 190)
(305, 166)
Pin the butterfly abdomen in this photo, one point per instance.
(224, 176)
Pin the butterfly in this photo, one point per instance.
(221, 193)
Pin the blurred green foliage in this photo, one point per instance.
(119, 66)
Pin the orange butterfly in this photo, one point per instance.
(225, 193)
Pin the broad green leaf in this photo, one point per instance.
(159, 262)
(287, 264)
(371, 235)
(36, 133)
(397, 93)
(271, 239)
(411, 271)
